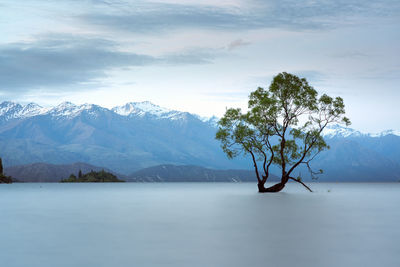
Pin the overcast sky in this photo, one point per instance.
(201, 56)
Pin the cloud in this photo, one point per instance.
(62, 61)
(151, 17)
(58, 61)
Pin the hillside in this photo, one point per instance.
(49, 173)
(93, 177)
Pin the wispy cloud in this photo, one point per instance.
(56, 61)
(61, 61)
(152, 17)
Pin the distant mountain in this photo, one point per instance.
(10, 111)
(49, 173)
(139, 135)
(191, 173)
(349, 161)
(125, 139)
(357, 156)
(338, 131)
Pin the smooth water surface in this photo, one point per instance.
(198, 224)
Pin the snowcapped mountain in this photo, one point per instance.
(384, 133)
(213, 120)
(141, 109)
(140, 135)
(332, 131)
(339, 131)
(11, 110)
(124, 139)
(70, 110)
(148, 109)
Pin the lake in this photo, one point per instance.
(199, 224)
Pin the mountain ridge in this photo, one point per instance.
(13, 110)
(147, 135)
(89, 133)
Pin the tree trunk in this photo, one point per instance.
(279, 186)
(272, 189)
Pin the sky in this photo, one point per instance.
(202, 56)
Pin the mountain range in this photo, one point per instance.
(124, 139)
(138, 135)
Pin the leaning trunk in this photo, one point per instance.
(272, 189)
(279, 186)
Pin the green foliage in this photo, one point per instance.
(92, 177)
(282, 126)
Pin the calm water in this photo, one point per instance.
(193, 224)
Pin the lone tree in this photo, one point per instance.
(282, 127)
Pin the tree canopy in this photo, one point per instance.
(282, 127)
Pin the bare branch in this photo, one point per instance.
(307, 149)
(299, 181)
(255, 165)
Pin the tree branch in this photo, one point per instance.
(255, 164)
(299, 181)
(308, 149)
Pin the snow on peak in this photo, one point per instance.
(144, 108)
(341, 131)
(64, 109)
(384, 133)
(33, 109)
(6, 104)
(213, 120)
(10, 110)
(68, 109)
